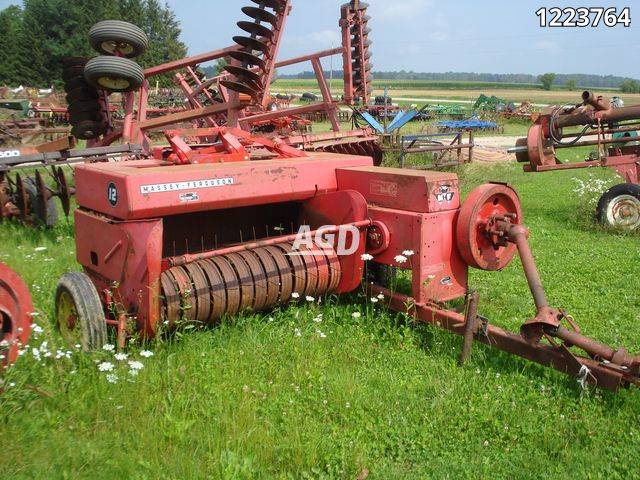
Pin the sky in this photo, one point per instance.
(487, 36)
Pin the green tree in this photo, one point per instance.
(547, 80)
(10, 31)
(630, 86)
(571, 84)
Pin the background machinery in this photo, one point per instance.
(612, 133)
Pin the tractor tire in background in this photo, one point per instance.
(114, 74)
(115, 37)
(619, 207)
(79, 314)
(44, 213)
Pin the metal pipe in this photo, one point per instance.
(470, 324)
(519, 235)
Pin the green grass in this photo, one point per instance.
(251, 399)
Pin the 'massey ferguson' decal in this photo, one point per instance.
(190, 185)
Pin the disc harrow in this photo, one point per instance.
(357, 60)
(259, 49)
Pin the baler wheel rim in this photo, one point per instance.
(476, 246)
(77, 301)
(115, 37)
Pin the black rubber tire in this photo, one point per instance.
(82, 93)
(382, 275)
(90, 105)
(88, 314)
(623, 192)
(134, 39)
(88, 129)
(114, 74)
(46, 215)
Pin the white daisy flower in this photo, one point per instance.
(106, 367)
(295, 295)
(400, 259)
(146, 353)
(107, 347)
(366, 257)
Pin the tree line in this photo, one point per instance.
(569, 81)
(38, 34)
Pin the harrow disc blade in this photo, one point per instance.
(16, 308)
(243, 74)
(22, 198)
(249, 59)
(261, 15)
(252, 44)
(272, 4)
(43, 195)
(64, 191)
(256, 29)
(241, 88)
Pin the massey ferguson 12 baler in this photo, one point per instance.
(221, 223)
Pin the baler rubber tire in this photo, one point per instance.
(85, 306)
(46, 215)
(114, 74)
(627, 192)
(111, 31)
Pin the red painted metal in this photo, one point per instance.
(538, 150)
(15, 315)
(484, 205)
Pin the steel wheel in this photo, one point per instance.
(79, 313)
(619, 207)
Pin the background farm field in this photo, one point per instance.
(467, 91)
(335, 388)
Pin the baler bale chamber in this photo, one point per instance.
(236, 223)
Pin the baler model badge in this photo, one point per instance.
(112, 194)
(189, 197)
